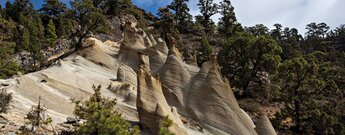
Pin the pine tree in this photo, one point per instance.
(246, 59)
(228, 24)
(166, 24)
(5, 99)
(52, 9)
(207, 9)
(7, 48)
(205, 51)
(35, 43)
(89, 18)
(24, 7)
(166, 123)
(24, 40)
(117, 7)
(50, 35)
(182, 17)
(100, 117)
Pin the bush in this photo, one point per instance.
(5, 100)
(166, 123)
(100, 117)
(37, 117)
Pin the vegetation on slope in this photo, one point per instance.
(279, 66)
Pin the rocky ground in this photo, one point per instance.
(149, 78)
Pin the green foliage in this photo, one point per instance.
(13, 11)
(228, 24)
(182, 17)
(205, 51)
(37, 116)
(289, 40)
(24, 40)
(166, 123)
(116, 7)
(50, 35)
(311, 95)
(7, 47)
(140, 16)
(248, 61)
(207, 10)
(90, 19)
(257, 30)
(166, 24)
(317, 30)
(52, 9)
(100, 119)
(65, 24)
(5, 100)
(37, 32)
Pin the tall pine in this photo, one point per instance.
(50, 35)
(228, 24)
(207, 9)
(182, 17)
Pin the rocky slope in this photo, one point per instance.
(150, 80)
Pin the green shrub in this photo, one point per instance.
(5, 100)
(100, 117)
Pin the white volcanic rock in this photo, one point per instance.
(210, 101)
(152, 105)
(264, 126)
(147, 88)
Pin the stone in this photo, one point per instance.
(71, 120)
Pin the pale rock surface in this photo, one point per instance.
(174, 77)
(147, 88)
(264, 126)
(219, 111)
(152, 105)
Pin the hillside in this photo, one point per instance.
(181, 90)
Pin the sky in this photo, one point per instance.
(289, 13)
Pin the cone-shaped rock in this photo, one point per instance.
(151, 104)
(264, 126)
(174, 77)
(212, 102)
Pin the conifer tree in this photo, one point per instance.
(182, 17)
(24, 40)
(116, 6)
(7, 48)
(166, 123)
(35, 42)
(166, 24)
(52, 9)
(246, 59)
(100, 117)
(228, 24)
(207, 9)
(24, 7)
(50, 35)
(90, 19)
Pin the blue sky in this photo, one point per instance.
(289, 13)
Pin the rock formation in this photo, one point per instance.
(264, 126)
(219, 107)
(174, 76)
(156, 84)
(152, 105)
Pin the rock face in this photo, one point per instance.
(156, 84)
(219, 106)
(126, 74)
(152, 105)
(174, 77)
(264, 126)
